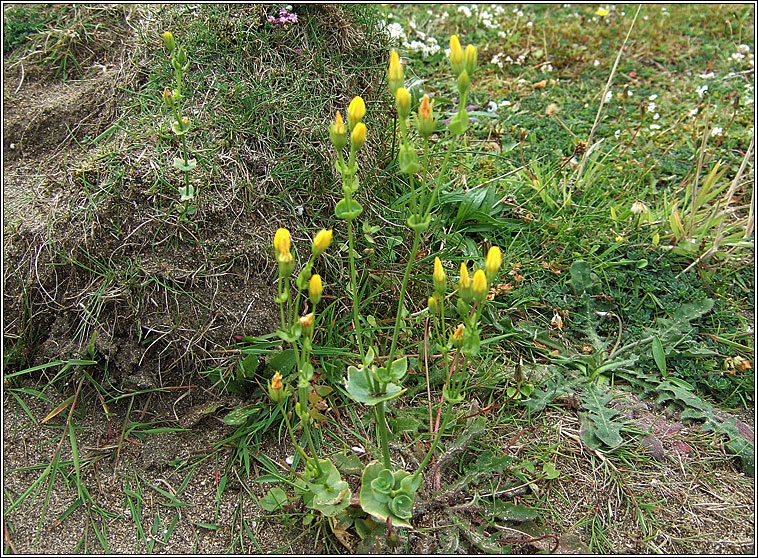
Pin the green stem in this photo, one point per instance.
(292, 434)
(281, 304)
(354, 281)
(411, 260)
(381, 425)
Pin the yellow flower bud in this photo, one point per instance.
(315, 288)
(425, 122)
(395, 72)
(470, 59)
(168, 40)
(321, 241)
(338, 133)
(403, 102)
(282, 242)
(456, 55)
(355, 112)
(358, 135)
(480, 285)
(493, 262)
(464, 284)
(440, 279)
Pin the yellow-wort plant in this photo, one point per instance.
(320, 484)
(386, 493)
(180, 124)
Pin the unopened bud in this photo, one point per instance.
(403, 102)
(358, 135)
(395, 73)
(168, 40)
(338, 133)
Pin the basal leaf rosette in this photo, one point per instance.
(326, 492)
(388, 494)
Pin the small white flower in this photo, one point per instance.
(652, 97)
(547, 68)
(743, 49)
(501, 34)
(708, 75)
(694, 111)
(530, 24)
(608, 96)
(717, 131)
(651, 107)
(617, 134)
(596, 63)
(656, 116)
(465, 11)
(655, 126)
(492, 106)
(701, 90)
(630, 92)
(289, 459)
(358, 449)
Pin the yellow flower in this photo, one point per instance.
(456, 55)
(315, 288)
(470, 59)
(282, 242)
(338, 133)
(321, 241)
(168, 40)
(395, 72)
(480, 285)
(355, 112)
(358, 135)
(493, 262)
(403, 102)
(602, 12)
(440, 279)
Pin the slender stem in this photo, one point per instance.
(354, 281)
(411, 260)
(281, 304)
(381, 426)
(311, 445)
(292, 434)
(443, 170)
